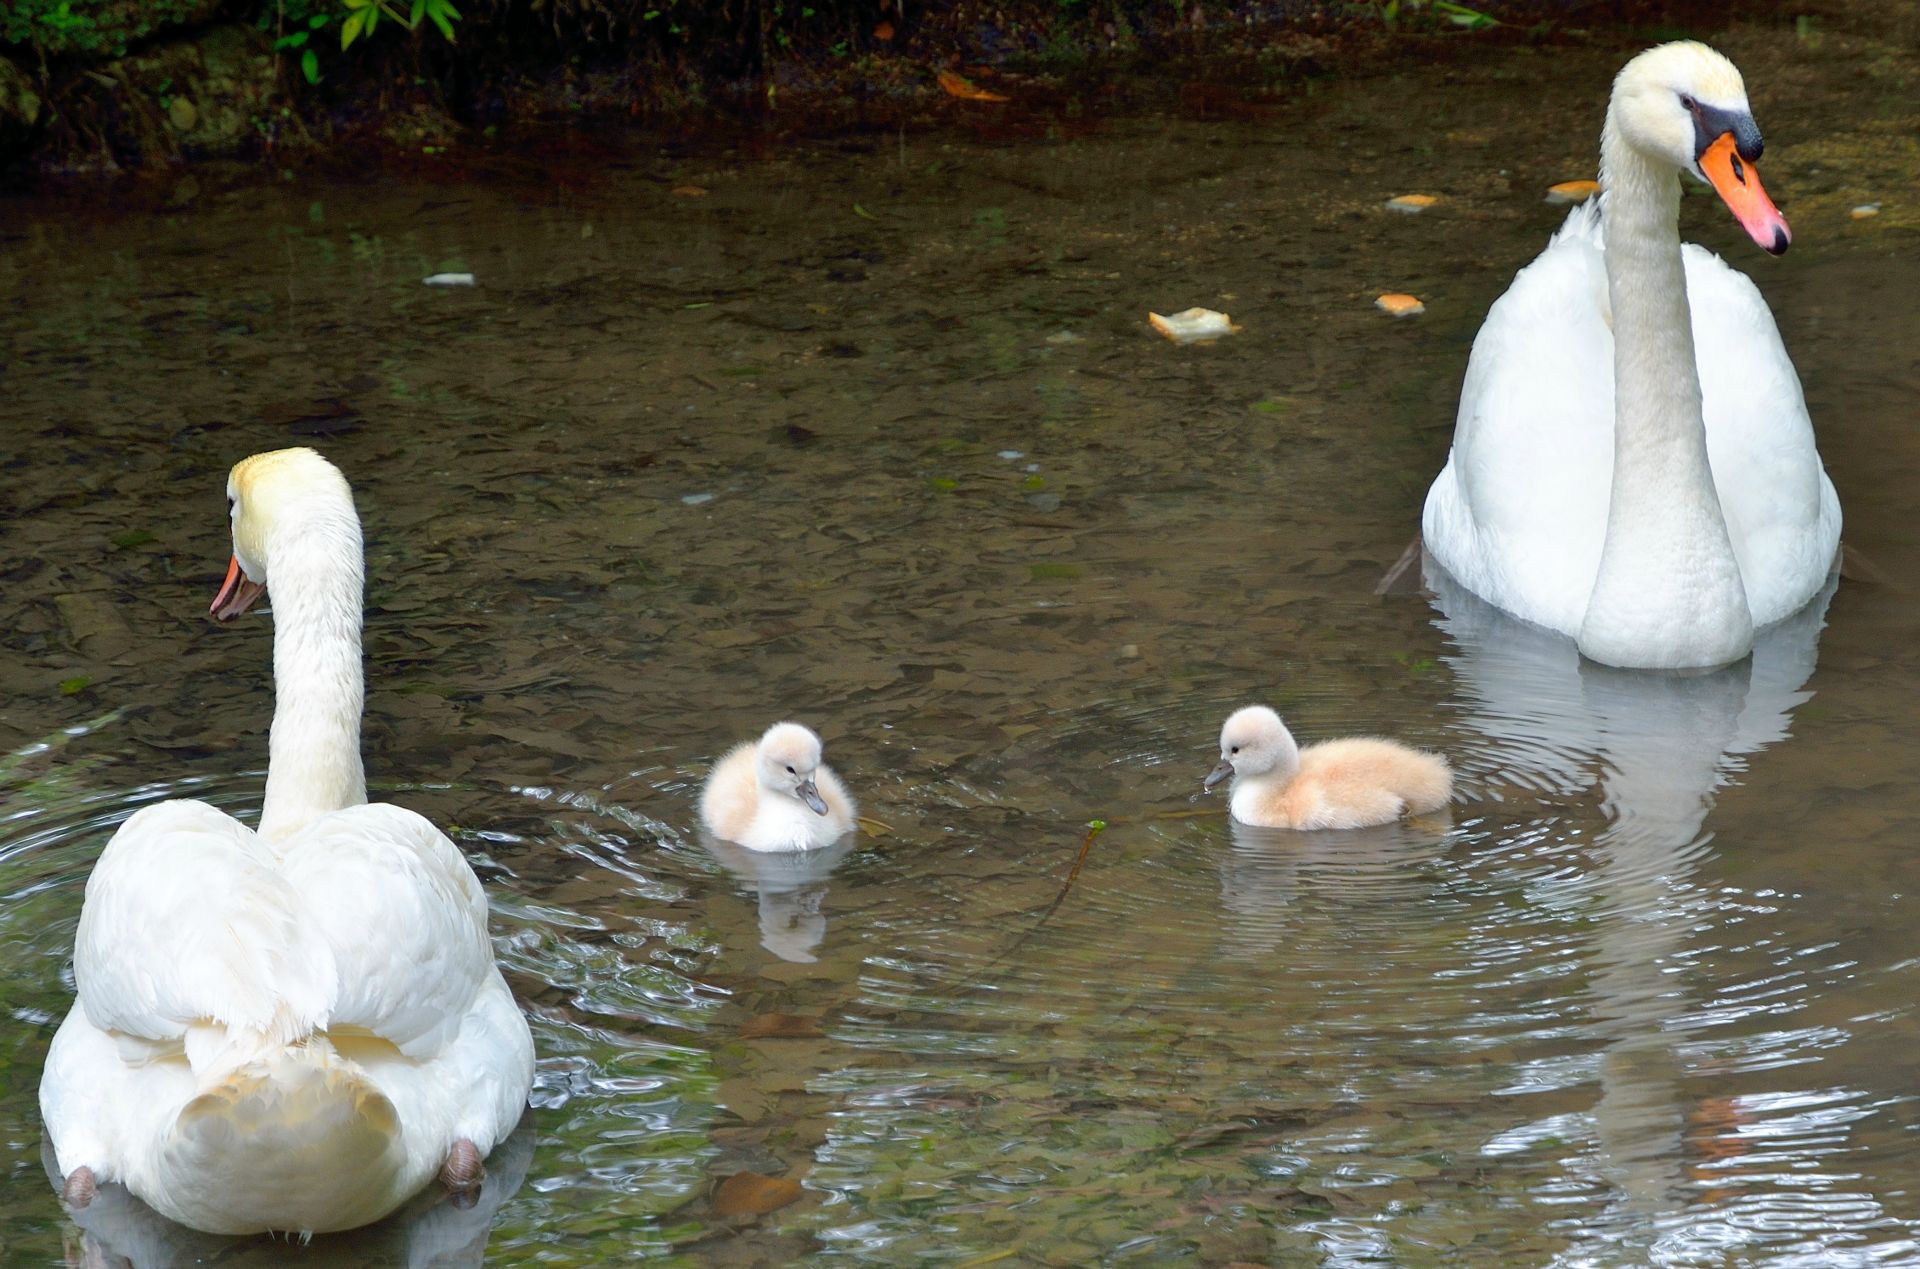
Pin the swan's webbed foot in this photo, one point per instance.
(463, 1171)
(79, 1189)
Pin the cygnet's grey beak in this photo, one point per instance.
(807, 793)
(1222, 772)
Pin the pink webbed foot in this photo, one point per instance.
(79, 1189)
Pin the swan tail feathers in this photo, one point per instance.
(298, 1141)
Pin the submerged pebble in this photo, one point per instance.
(695, 500)
(448, 279)
(1865, 210)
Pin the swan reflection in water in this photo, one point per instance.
(434, 1229)
(1656, 747)
(791, 886)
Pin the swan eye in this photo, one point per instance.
(1688, 101)
(1235, 749)
(791, 771)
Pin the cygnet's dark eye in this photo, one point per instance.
(791, 771)
(1235, 749)
(230, 504)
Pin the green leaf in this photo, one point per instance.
(310, 66)
(75, 685)
(443, 15)
(419, 9)
(319, 20)
(863, 213)
(295, 40)
(350, 29)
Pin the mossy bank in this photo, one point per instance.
(109, 86)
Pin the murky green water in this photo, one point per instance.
(872, 434)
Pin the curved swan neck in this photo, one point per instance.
(1668, 580)
(313, 764)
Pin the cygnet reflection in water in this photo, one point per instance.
(1274, 879)
(435, 1228)
(1657, 747)
(791, 887)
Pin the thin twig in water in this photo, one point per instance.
(1094, 829)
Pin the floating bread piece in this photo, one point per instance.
(1865, 210)
(1400, 305)
(1194, 326)
(1411, 204)
(1567, 193)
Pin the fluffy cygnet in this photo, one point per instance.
(774, 794)
(1334, 784)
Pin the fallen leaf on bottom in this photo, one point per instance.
(960, 86)
(780, 1026)
(1411, 204)
(750, 1194)
(1566, 193)
(1400, 305)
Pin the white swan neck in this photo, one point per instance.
(1668, 593)
(313, 764)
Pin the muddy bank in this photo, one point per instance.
(143, 86)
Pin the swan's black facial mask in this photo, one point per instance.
(1710, 123)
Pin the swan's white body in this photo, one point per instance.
(288, 1029)
(1633, 465)
(776, 794)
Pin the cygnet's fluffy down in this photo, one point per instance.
(775, 794)
(1335, 784)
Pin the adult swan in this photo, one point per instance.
(297, 1028)
(1633, 465)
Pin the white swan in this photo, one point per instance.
(776, 794)
(1633, 465)
(294, 1029)
(1353, 783)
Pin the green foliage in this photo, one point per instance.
(300, 23)
(102, 28)
(364, 15)
(1435, 12)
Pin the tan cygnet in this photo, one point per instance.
(1335, 784)
(775, 794)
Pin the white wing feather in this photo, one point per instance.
(186, 922)
(404, 918)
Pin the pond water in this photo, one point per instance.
(872, 433)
